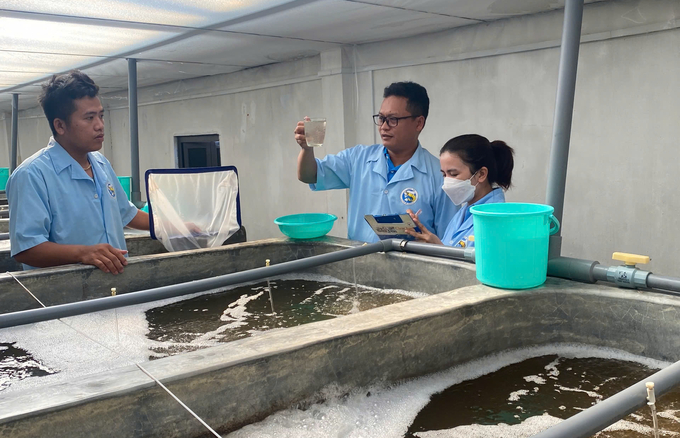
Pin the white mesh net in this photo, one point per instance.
(193, 210)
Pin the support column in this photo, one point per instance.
(135, 192)
(564, 107)
(15, 133)
(339, 92)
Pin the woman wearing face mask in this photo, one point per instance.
(476, 172)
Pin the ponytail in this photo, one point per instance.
(477, 152)
(503, 156)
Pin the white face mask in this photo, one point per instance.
(459, 191)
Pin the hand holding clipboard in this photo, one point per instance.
(392, 226)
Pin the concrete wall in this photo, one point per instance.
(497, 79)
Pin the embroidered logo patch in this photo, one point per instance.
(409, 196)
(111, 190)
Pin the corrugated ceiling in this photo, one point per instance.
(180, 39)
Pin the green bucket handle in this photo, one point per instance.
(554, 224)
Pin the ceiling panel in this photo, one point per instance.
(37, 62)
(238, 50)
(474, 9)
(37, 38)
(37, 48)
(486, 10)
(167, 71)
(114, 74)
(347, 22)
(170, 12)
(36, 42)
(52, 37)
(446, 7)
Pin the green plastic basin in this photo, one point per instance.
(306, 225)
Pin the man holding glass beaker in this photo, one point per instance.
(386, 178)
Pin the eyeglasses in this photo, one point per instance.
(379, 119)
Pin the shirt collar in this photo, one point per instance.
(495, 192)
(495, 195)
(61, 159)
(417, 160)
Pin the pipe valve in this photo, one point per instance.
(628, 275)
(630, 259)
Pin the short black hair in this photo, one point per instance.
(418, 103)
(60, 92)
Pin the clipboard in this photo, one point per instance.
(391, 226)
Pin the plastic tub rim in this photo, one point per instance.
(476, 210)
(329, 218)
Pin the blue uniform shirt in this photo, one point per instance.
(51, 198)
(417, 185)
(461, 226)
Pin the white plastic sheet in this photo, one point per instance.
(194, 209)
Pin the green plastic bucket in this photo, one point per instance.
(4, 176)
(511, 243)
(126, 182)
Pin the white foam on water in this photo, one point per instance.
(639, 428)
(66, 348)
(535, 379)
(670, 414)
(551, 368)
(589, 393)
(90, 343)
(320, 291)
(236, 310)
(355, 307)
(58, 346)
(364, 288)
(23, 370)
(389, 411)
(529, 427)
(638, 417)
(407, 293)
(515, 396)
(234, 315)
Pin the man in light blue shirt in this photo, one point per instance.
(66, 204)
(386, 178)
